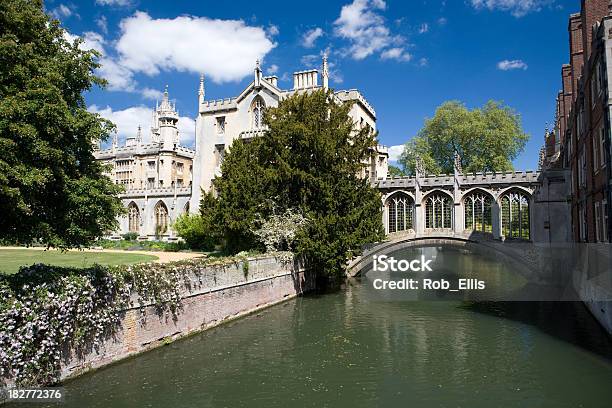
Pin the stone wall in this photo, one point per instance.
(215, 294)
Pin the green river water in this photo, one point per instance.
(347, 349)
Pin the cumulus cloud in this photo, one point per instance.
(225, 50)
(395, 152)
(128, 120)
(310, 37)
(507, 65)
(396, 53)
(517, 8)
(423, 28)
(362, 25)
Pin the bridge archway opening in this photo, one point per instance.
(400, 212)
(514, 207)
(478, 211)
(438, 211)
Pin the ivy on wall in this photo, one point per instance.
(48, 314)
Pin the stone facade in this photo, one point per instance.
(156, 175)
(222, 121)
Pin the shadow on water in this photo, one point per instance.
(567, 321)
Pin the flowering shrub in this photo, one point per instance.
(278, 232)
(48, 312)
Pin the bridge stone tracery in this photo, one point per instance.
(495, 204)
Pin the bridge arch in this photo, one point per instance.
(513, 254)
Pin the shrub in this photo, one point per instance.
(130, 236)
(193, 229)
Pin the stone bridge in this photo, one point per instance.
(523, 256)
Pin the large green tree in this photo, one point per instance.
(486, 139)
(51, 188)
(309, 160)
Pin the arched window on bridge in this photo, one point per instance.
(478, 216)
(515, 215)
(133, 218)
(400, 210)
(438, 211)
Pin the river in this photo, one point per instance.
(347, 349)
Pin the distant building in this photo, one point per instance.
(222, 121)
(581, 138)
(157, 176)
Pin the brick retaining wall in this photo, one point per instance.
(216, 294)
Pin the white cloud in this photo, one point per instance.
(517, 8)
(310, 37)
(272, 30)
(442, 21)
(423, 62)
(102, 24)
(150, 93)
(395, 152)
(365, 28)
(225, 50)
(507, 65)
(120, 3)
(396, 53)
(128, 120)
(272, 69)
(62, 11)
(423, 28)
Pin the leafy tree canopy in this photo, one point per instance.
(395, 171)
(51, 188)
(308, 160)
(486, 139)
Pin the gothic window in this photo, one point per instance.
(161, 218)
(438, 211)
(515, 215)
(478, 212)
(133, 218)
(400, 210)
(257, 109)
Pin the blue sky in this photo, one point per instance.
(406, 57)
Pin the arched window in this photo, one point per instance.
(438, 211)
(186, 208)
(133, 217)
(515, 215)
(400, 210)
(478, 212)
(161, 218)
(257, 108)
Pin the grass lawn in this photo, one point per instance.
(12, 259)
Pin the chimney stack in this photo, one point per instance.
(305, 79)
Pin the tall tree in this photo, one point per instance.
(486, 139)
(308, 160)
(51, 188)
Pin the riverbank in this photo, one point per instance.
(209, 294)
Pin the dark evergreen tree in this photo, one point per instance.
(310, 159)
